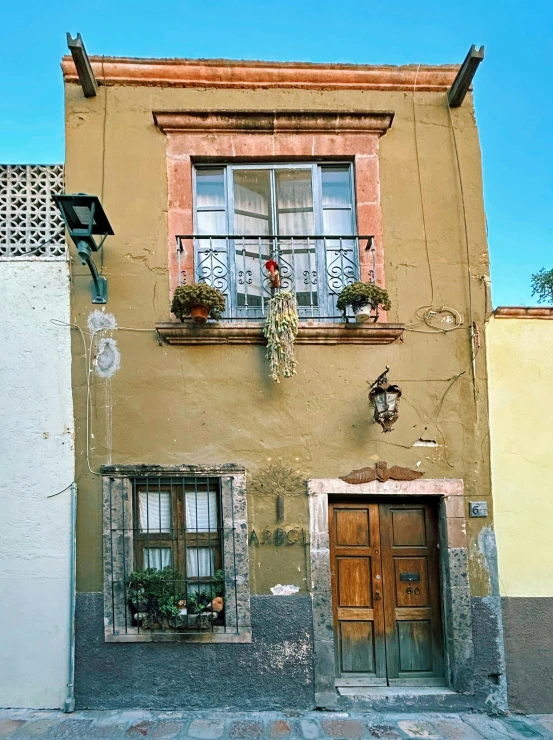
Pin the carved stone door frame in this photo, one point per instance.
(455, 586)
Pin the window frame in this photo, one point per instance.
(325, 308)
(173, 540)
(119, 522)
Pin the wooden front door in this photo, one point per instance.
(386, 593)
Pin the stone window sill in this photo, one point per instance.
(248, 332)
(244, 635)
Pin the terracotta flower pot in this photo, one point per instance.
(199, 314)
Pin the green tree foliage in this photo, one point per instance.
(542, 285)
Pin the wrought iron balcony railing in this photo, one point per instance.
(315, 268)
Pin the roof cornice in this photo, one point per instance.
(523, 312)
(224, 73)
(274, 122)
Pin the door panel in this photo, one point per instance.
(411, 592)
(354, 582)
(357, 647)
(386, 602)
(357, 592)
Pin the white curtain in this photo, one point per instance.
(199, 564)
(201, 511)
(154, 511)
(294, 197)
(157, 557)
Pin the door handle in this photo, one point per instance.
(377, 596)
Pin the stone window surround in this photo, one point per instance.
(116, 486)
(269, 136)
(455, 586)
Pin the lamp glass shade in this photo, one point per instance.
(380, 401)
(391, 401)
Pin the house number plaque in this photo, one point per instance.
(278, 536)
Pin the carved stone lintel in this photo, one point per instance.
(382, 473)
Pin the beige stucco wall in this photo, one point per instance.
(217, 404)
(520, 358)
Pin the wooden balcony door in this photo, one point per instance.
(386, 593)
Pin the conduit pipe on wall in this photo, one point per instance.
(69, 703)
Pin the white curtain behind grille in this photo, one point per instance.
(201, 511)
(155, 511)
(157, 557)
(199, 564)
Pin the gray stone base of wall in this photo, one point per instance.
(528, 624)
(275, 671)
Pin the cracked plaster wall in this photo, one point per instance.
(217, 404)
(37, 453)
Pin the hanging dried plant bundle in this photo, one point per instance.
(281, 328)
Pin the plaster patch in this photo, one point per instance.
(425, 443)
(280, 590)
(108, 358)
(100, 320)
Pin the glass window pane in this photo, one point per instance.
(154, 511)
(252, 202)
(201, 511)
(336, 186)
(157, 557)
(337, 223)
(200, 562)
(211, 222)
(210, 188)
(294, 194)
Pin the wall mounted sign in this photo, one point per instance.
(279, 536)
(279, 481)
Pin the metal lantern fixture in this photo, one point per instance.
(384, 398)
(85, 218)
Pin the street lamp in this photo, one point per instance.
(384, 398)
(85, 218)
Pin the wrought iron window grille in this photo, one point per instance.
(171, 558)
(315, 268)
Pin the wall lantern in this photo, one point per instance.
(84, 218)
(384, 398)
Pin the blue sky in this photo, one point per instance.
(514, 105)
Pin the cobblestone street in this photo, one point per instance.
(269, 725)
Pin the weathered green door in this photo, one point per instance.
(386, 598)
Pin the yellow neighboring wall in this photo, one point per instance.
(520, 369)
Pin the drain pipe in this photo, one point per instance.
(69, 703)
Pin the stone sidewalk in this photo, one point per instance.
(293, 725)
(218, 725)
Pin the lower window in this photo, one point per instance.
(175, 555)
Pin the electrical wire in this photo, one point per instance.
(103, 153)
(41, 246)
(420, 189)
(467, 248)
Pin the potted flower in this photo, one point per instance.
(199, 301)
(365, 299)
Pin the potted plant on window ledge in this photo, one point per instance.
(199, 301)
(365, 299)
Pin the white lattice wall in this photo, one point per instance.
(28, 215)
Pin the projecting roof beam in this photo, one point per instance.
(462, 82)
(82, 63)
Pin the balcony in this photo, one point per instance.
(315, 268)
